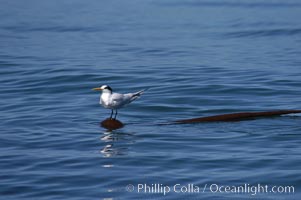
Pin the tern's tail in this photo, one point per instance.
(137, 95)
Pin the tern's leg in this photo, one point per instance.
(111, 114)
(115, 114)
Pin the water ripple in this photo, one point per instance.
(254, 4)
(264, 33)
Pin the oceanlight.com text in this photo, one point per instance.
(158, 188)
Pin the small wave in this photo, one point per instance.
(257, 4)
(264, 33)
(59, 29)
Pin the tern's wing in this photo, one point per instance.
(120, 100)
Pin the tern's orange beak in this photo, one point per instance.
(97, 89)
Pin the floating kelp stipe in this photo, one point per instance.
(113, 124)
(236, 116)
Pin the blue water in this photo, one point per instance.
(198, 58)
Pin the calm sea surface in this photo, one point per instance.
(198, 58)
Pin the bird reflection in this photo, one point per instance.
(116, 143)
(110, 151)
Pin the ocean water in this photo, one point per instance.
(198, 58)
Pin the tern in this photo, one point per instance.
(115, 101)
